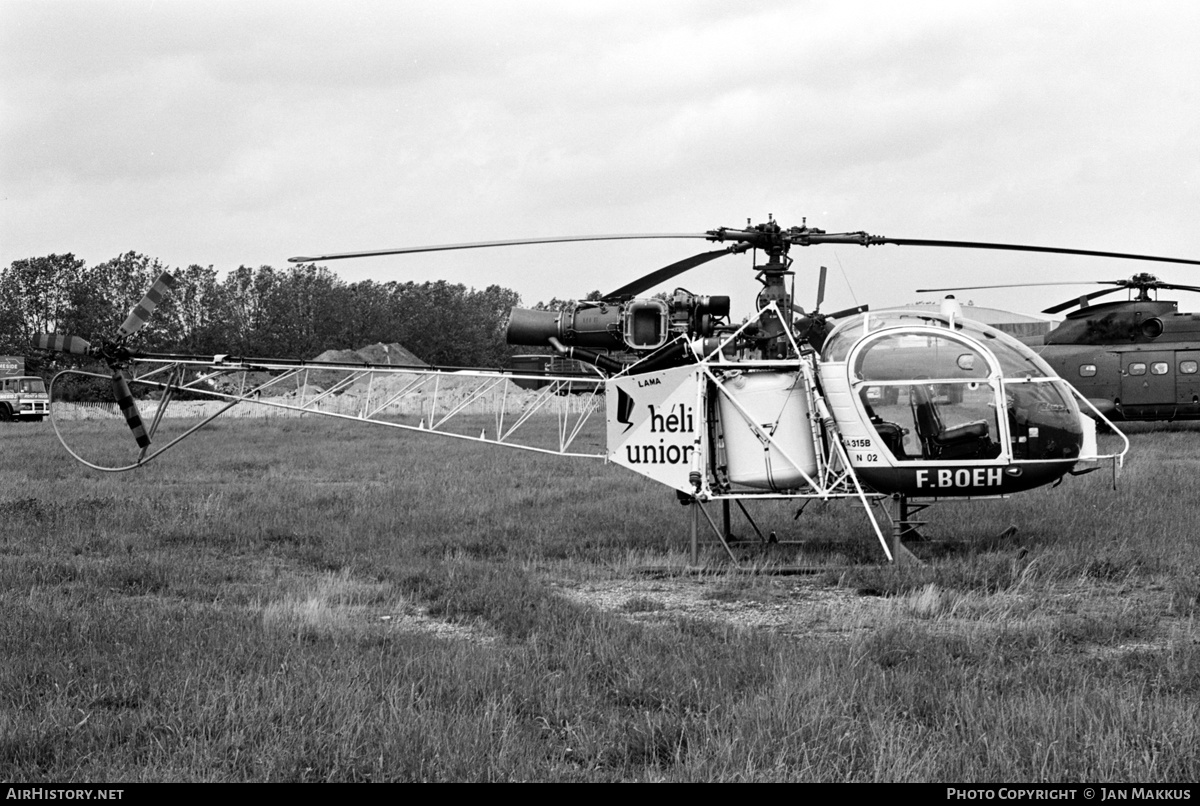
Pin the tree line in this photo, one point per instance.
(298, 312)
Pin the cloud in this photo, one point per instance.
(226, 133)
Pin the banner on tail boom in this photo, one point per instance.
(654, 425)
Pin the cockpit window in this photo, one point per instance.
(849, 330)
(906, 356)
(958, 421)
(934, 421)
(1016, 359)
(1043, 421)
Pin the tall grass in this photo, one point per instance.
(253, 606)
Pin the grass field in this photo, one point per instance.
(308, 600)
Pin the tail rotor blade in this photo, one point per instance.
(129, 408)
(144, 309)
(62, 343)
(821, 288)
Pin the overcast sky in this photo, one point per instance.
(242, 133)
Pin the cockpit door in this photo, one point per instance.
(930, 396)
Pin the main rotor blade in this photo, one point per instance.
(1174, 287)
(62, 343)
(144, 309)
(798, 236)
(487, 244)
(1062, 306)
(870, 240)
(1007, 285)
(1132, 283)
(857, 309)
(816, 316)
(129, 408)
(665, 273)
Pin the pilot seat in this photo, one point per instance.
(965, 441)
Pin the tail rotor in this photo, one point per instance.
(62, 343)
(145, 309)
(116, 354)
(124, 397)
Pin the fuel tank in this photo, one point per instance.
(777, 405)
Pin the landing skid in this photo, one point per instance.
(701, 512)
(724, 534)
(902, 515)
(899, 515)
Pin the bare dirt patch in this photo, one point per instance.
(334, 603)
(417, 619)
(788, 605)
(813, 608)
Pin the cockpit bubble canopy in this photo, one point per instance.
(1015, 359)
(942, 389)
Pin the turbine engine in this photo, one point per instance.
(639, 325)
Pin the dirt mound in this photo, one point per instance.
(306, 392)
(340, 357)
(378, 353)
(235, 382)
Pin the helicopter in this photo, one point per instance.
(1135, 359)
(897, 409)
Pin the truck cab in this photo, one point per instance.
(22, 397)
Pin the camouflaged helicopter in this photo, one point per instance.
(1135, 359)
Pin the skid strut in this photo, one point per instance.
(902, 515)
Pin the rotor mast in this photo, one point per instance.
(775, 241)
